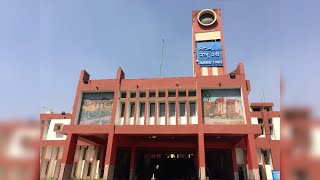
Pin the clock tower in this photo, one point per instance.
(208, 43)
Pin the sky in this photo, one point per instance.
(45, 44)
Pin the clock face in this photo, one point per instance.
(207, 17)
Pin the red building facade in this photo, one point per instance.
(166, 128)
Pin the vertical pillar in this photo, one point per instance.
(234, 164)
(110, 157)
(201, 156)
(252, 158)
(68, 156)
(132, 163)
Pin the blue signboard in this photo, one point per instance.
(276, 174)
(209, 53)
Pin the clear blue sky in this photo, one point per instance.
(42, 52)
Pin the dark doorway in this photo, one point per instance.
(241, 172)
(166, 166)
(122, 165)
(219, 164)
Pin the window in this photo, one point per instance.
(172, 109)
(74, 169)
(98, 152)
(89, 169)
(260, 121)
(271, 129)
(267, 108)
(192, 109)
(192, 93)
(132, 107)
(172, 94)
(133, 95)
(182, 108)
(85, 152)
(151, 109)
(122, 109)
(152, 94)
(57, 127)
(270, 120)
(255, 108)
(162, 94)
(142, 94)
(142, 107)
(123, 95)
(162, 109)
(182, 94)
(266, 156)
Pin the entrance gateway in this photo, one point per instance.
(171, 158)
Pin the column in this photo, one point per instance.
(234, 164)
(68, 156)
(252, 158)
(110, 157)
(132, 163)
(201, 156)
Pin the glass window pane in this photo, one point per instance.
(152, 109)
(172, 108)
(132, 109)
(122, 109)
(182, 108)
(142, 106)
(192, 109)
(162, 109)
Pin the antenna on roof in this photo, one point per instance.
(50, 109)
(162, 51)
(264, 99)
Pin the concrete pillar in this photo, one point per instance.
(234, 164)
(252, 158)
(201, 157)
(110, 159)
(68, 157)
(132, 163)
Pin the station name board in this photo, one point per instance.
(172, 156)
(209, 53)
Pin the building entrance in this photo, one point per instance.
(166, 165)
(219, 164)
